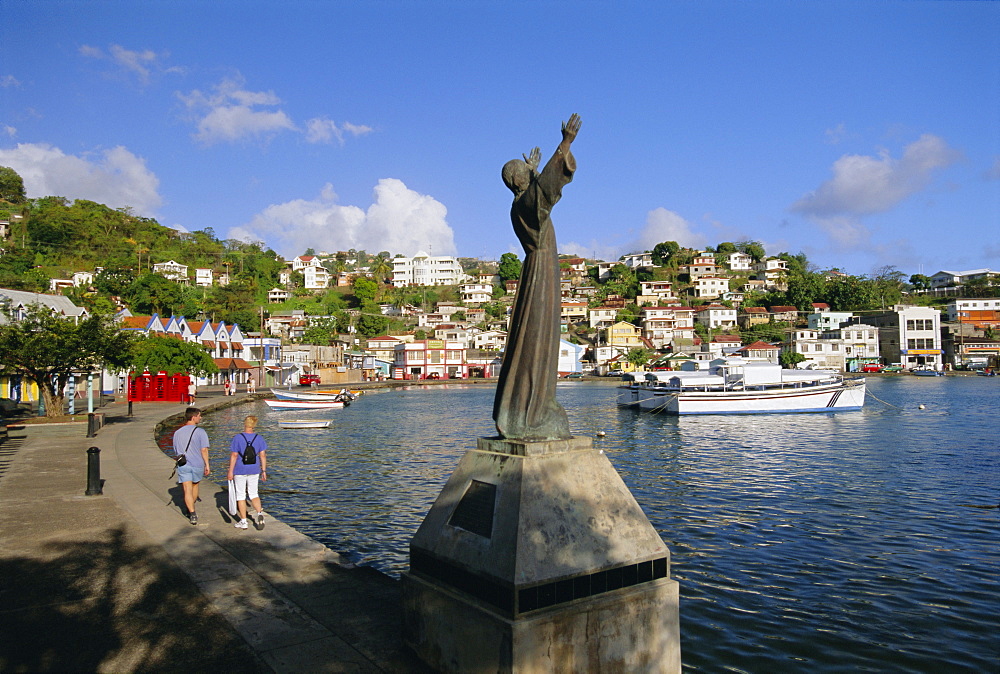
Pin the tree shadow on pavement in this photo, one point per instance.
(111, 605)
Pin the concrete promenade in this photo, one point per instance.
(122, 582)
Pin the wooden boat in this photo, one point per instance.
(305, 423)
(303, 404)
(741, 386)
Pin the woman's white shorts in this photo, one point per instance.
(246, 486)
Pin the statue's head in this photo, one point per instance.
(516, 175)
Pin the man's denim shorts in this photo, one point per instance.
(189, 473)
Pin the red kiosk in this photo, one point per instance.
(159, 387)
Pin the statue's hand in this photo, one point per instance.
(533, 159)
(571, 128)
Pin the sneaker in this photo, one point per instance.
(193, 517)
(260, 519)
(242, 524)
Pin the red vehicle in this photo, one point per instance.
(872, 367)
(307, 379)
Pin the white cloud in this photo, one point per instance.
(323, 130)
(993, 173)
(399, 220)
(862, 185)
(10, 131)
(9, 81)
(661, 225)
(141, 64)
(231, 113)
(116, 177)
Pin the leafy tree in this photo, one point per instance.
(171, 355)
(114, 280)
(152, 293)
(804, 288)
(789, 359)
(48, 349)
(11, 186)
(920, 281)
(754, 249)
(766, 332)
(18, 272)
(662, 252)
(371, 322)
(321, 331)
(888, 285)
(510, 267)
(630, 314)
(638, 356)
(365, 289)
(381, 267)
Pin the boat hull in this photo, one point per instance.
(835, 397)
(313, 396)
(302, 404)
(304, 423)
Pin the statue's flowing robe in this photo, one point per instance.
(525, 406)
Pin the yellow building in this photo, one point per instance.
(623, 335)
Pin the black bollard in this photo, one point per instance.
(91, 425)
(94, 485)
(130, 408)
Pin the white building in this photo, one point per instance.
(946, 278)
(740, 261)
(570, 356)
(715, 316)
(909, 335)
(964, 308)
(430, 359)
(425, 270)
(661, 325)
(315, 278)
(848, 348)
(710, 287)
(828, 320)
(305, 261)
(476, 293)
(175, 271)
(203, 277)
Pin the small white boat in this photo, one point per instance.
(741, 386)
(319, 396)
(305, 423)
(303, 404)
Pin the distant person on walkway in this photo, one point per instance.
(245, 476)
(192, 391)
(192, 442)
(251, 385)
(226, 386)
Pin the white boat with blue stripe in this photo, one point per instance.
(740, 386)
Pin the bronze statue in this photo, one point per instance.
(525, 407)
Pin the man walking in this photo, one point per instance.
(192, 442)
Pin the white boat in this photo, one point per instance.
(741, 386)
(305, 423)
(303, 404)
(320, 396)
(927, 372)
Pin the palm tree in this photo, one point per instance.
(381, 268)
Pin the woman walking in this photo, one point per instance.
(247, 465)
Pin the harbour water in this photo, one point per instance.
(855, 541)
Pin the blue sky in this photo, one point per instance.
(863, 134)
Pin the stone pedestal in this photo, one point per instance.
(536, 558)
